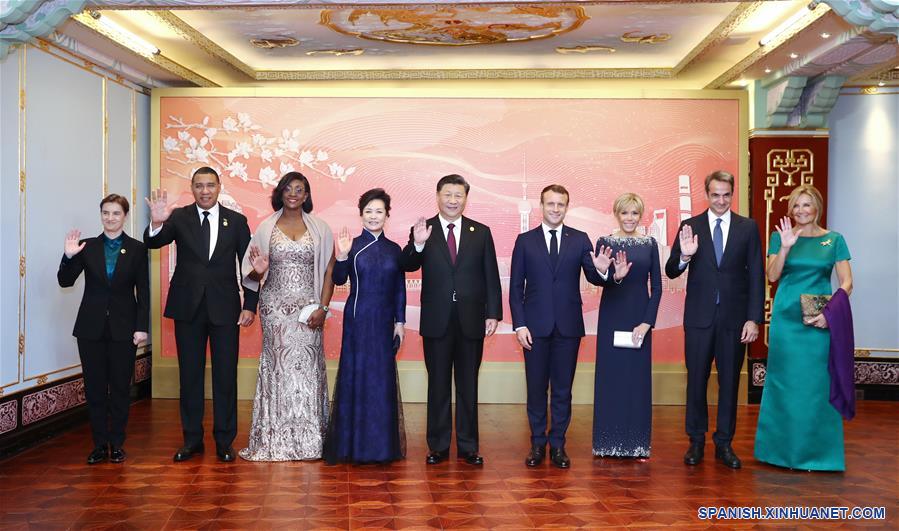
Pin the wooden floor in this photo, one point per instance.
(50, 486)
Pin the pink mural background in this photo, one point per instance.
(508, 149)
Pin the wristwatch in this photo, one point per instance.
(326, 309)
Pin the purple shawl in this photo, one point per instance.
(841, 362)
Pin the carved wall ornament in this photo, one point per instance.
(338, 53)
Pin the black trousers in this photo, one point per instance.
(107, 368)
(191, 338)
(446, 357)
(720, 342)
(549, 366)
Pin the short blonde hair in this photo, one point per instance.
(810, 191)
(626, 200)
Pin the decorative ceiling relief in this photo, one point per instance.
(634, 36)
(879, 16)
(584, 48)
(272, 43)
(455, 26)
(22, 21)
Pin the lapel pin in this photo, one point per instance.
(224, 222)
(470, 229)
(122, 251)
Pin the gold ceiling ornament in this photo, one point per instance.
(584, 48)
(488, 73)
(338, 53)
(652, 38)
(734, 19)
(869, 90)
(270, 44)
(448, 25)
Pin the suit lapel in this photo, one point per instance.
(224, 223)
(466, 231)
(731, 234)
(98, 256)
(705, 238)
(539, 242)
(193, 223)
(564, 244)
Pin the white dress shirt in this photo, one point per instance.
(548, 237)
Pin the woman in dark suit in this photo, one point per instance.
(112, 320)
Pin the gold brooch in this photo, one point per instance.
(827, 242)
(470, 229)
(225, 222)
(122, 251)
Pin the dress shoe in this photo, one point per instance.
(726, 455)
(536, 455)
(436, 457)
(225, 455)
(116, 455)
(559, 457)
(186, 452)
(472, 458)
(98, 455)
(694, 453)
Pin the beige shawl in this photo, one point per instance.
(323, 244)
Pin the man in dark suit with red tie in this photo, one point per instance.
(204, 302)
(725, 297)
(545, 299)
(461, 303)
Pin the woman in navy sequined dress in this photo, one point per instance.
(622, 406)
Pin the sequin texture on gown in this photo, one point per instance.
(290, 410)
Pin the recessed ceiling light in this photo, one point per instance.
(880, 83)
(825, 35)
(767, 70)
(794, 55)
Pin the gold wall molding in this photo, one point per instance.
(732, 21)
(157, 59)
(492, 73)
(736, 70)
(188, 32)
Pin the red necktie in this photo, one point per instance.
(451, 242)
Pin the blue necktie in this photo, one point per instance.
(718, 242)
(553, 248)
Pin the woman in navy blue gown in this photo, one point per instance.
(366, 423)
(622, 406)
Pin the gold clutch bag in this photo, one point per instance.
(812, 305)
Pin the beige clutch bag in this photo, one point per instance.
(812, 305)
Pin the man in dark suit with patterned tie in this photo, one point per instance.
(725, 297)
(461, 303)
(204, 302)
(545, 299)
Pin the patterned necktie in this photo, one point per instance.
(718, 241)
(553, 248)
(451, 242)
(205, 234)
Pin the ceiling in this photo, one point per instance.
(670, 44)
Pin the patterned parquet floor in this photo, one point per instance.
(50, 486)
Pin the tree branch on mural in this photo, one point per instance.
(248, 143)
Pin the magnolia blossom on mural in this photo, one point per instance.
(202, 143)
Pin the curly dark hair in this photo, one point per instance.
(278, 192)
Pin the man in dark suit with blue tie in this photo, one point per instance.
(725, 297)
(545, 299)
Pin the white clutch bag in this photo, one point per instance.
(625, 340)
(306, 312)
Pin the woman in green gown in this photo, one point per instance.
(798, 427)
